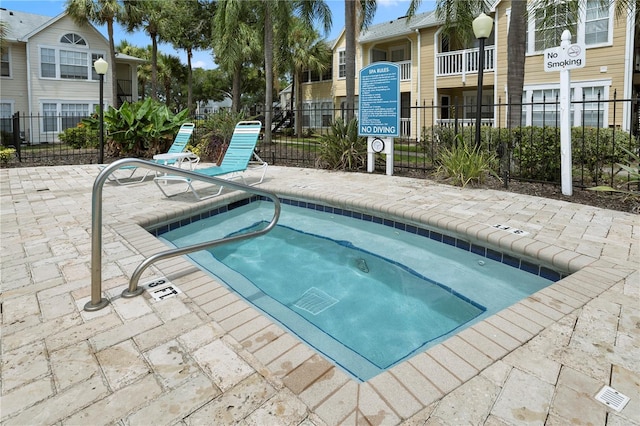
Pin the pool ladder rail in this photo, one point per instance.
(97, 302)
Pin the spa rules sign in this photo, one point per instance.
(379, 100)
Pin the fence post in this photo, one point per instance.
(16, 134)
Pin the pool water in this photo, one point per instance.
(365, 295)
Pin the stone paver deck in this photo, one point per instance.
(208, 357)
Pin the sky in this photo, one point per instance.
(386, 10)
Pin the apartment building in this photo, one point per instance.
(440, 73)
(47, 72)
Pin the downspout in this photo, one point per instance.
(628, 73)
(495, 69)
(436, 100)
(418, 86)
(29, 92)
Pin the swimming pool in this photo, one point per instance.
(395, 289)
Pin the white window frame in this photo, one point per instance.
(11, 104)
(90, 55)
(59, 120)
(342, 64)
(583, 23)
(576, 96)
(579, 37)
(9, 61)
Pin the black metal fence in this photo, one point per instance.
(530, 150)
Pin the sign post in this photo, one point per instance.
(379, 110)
(565, 58)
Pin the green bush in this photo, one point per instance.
(464, 164)
(211, 144)
(342, 148)
(139, 129)
(81, 136)
(595, 148)
(6, 138)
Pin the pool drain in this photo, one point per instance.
(612, 398)
(315, 301)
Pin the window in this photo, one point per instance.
(544, 108)
(540, 106)
(549, 25)
(6, 124)
(58, 116)
(73, 65)
(71, 114)
(48, 62)
(72, 38)
(593, 112)
(5, 64)
(342, 63)
(596, 27)
(68, 64)
(50, 121)
(378, 55)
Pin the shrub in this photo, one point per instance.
(218, 129)
(463, 164)
(342, 148)
(6, 154)
(81, 136)
(140, 129)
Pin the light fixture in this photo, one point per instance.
(101, 67)
(482, 27)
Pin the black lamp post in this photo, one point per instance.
(101, 68)
(482, 27)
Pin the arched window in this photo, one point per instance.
(72, 38)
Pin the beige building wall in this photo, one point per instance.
(13, 89)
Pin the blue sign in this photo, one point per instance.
(379, 100)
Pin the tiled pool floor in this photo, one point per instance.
(207, 357)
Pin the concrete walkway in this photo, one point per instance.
(208, 357)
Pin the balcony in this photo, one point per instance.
(463, 62)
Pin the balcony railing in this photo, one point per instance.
(462, 62)
(405, 70)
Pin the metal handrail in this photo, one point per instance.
(97, 302)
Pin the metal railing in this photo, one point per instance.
(97, 302)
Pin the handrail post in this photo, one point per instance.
(97, 302)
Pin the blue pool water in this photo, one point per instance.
(365, 295)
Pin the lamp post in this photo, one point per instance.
(101, 68)
(482, 27)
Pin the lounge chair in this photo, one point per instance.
(237, 159)
(176, 155)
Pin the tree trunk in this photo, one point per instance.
(236, 88)
(515, 72)
(516, 50)
(350, 56)
(190, 82)
(297, 93)
(154, 67)
(112, 60)
(268, 71)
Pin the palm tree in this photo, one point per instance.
(235, 41)
(148, 15)
(306, 52)
(355, 19)
(188, 27)
(100, 12)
